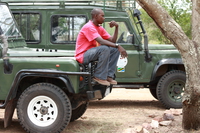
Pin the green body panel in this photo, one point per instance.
(137, 69)
(65, 64)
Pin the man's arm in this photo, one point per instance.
(114, 37)
(111, 44)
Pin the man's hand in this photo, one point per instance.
(112, 24)
(122, 52)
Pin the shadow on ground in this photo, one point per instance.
(15, 127)
(126, 103)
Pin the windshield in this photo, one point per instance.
(7, 24)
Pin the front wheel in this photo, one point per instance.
(170, 89)
(44, 108)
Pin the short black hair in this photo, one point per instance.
(95, 11)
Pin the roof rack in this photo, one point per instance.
(119, 4)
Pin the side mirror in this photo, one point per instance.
(136, 13)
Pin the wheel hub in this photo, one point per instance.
(44, 110)
(177, 90)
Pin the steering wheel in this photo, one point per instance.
(121, 38)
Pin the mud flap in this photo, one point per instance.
(9, 111)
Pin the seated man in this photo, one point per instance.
(94, 43)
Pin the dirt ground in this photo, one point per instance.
(122, 111)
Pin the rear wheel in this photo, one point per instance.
(43, 108)
(170, 89)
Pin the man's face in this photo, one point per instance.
(100, 17)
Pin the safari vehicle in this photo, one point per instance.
(48, 89)
(53, 25)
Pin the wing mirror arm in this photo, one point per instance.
(5, 45)
(7, 66)
(137, 14)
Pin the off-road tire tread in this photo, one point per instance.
(160, 89)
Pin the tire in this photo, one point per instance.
(78, 112)
(44, 108)
(170, 89)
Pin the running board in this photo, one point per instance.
(128, 86)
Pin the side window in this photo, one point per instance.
(123, 32)
(29, 25)
(65, 29)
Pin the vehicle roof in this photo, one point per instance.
(55, 4)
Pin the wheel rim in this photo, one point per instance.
(175, 90)
(42, 111)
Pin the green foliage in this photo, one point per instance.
(179, 10)
(63, 24)
(154, 34)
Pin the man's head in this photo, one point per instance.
(97, 16)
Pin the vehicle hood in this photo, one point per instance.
(33, 52)
(161, 47)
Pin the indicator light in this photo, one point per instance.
(81, 78)
(57, 65)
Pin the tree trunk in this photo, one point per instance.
(190, 53)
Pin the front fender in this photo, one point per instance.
(61, 75)
(170, 61)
